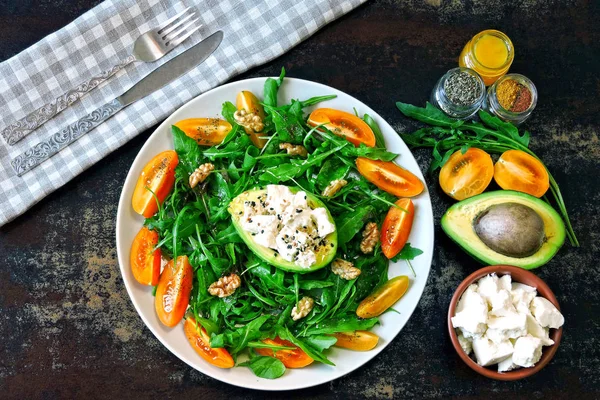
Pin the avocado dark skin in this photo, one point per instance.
(512, 229)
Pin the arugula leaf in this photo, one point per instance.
(505, 127)
(373, 153)
(350, 223)
(187, 150)
(270, 90)
(308, 285)
(346, 324)
(408, 253)
(320, 342)
(265, 367)
(430, 115)
(379, 140)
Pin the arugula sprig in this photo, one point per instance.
(447, 135)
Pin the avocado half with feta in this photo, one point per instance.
(324, 250)
(506, 227)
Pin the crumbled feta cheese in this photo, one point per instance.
(527, 351)
(488, 352)
(473, 317)
(465, 343)
(507, 365)
(546, 314)
(495, 314)
(284, 221)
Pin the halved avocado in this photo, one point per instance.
(324, 254)
(506, 227)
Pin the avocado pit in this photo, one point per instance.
(511, 229)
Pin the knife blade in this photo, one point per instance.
(155, 80)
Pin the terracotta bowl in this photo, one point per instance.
(517, 275)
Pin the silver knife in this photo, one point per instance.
(163, 75)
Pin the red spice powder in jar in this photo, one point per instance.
(523, 100)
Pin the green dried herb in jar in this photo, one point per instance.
(459, 93)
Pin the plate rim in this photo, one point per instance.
(124, 203)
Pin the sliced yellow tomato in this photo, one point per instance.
(357, 340)
(205, 131)
(396, 227)
(390, 177)
(383, 297)
(295, 358)
(173, 291)
(200, 341)
(466, 175)
(144, 258)
(158, 176)
(343, 124)
(249, 102)
(517, 170)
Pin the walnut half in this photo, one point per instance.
(344, 269)
(301, 310)
(200, 174)
(334, 187)
(370, 238)
(294, 149)
(225, 286)
(249, 120)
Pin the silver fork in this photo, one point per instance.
(149, 47)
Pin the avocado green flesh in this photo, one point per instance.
(324, 254)
(460, 219)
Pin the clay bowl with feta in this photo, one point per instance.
(505, 322)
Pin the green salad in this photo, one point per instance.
(244, 308)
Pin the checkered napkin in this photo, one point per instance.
(255, 31)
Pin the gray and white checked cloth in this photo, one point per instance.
(255, 31)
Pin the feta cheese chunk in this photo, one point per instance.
(488, 352)
(521, 299)
(546, 314)
(278, 198)
(527, 351)
(536, 330)
(507, 365)
(465, 343)
(473, 317)
(501, 303)
(488, 286)
(505, 283)
(462, 302)
(321, 218)
(510, 326)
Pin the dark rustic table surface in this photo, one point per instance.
(68, 329)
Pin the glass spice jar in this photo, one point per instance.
(490, 53)
(459, 93)
(512, 98)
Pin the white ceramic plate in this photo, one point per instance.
(129, 223)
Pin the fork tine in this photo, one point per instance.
(162, 26)
(172, 28)
(187, 35)
(172, 36)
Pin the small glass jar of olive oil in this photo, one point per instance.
(490, 53)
